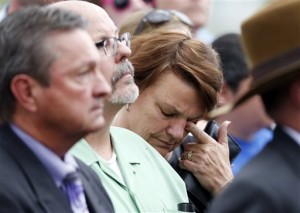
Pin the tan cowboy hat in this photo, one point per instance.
(271, 41)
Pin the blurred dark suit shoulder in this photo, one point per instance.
(269, 183)
(26, 185)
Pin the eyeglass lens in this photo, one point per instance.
(123, 4)
(125, 39)
(153, 17)
(182, 17)
(110, 45)
(161, 16)
(158, 16)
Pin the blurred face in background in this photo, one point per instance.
(251, 111)
(119, 9)
(197, 10)
(25, 3)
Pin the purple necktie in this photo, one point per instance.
(74, 190)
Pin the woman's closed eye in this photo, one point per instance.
(168, 114)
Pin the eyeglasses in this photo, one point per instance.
(162, 16)
(110, 44)
(122, 4)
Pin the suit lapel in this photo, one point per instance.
(288, 148)
(109, 172)
(91, 197)
(92, 159)
(129, 174)
(48, 195)
(96, 196)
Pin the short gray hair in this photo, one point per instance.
(23, 49)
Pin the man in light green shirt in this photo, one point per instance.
(146, 182)
(136, 177)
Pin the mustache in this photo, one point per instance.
(124, 69)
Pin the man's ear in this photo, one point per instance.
(23, 86)
(295, 92)
(225, 95)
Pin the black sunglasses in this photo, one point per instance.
(122, 4)
(162, 16)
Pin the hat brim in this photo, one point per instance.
(261, 86)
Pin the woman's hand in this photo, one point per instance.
(208, 159)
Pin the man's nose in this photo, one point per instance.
(123, 53)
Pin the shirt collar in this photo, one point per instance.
(3, 12)
(57, 167)
(293, 134)
(86, 152)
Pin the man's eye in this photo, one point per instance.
(100, 44)
(87, 72)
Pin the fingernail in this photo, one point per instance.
(228, 123)
(187, 125)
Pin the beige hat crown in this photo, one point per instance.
(271, 41)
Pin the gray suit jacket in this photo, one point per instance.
(269, 183)
(26, 185)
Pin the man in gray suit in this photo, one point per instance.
(271, 181)
(51, 95)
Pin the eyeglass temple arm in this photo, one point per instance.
(139, 27)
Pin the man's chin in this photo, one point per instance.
(97, 125)
(125, 95)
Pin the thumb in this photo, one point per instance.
(222, 134)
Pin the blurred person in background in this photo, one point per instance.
(270, 182)
(145, 21)
(250, 125)
(197, 10)
(118, 10)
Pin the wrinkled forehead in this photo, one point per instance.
(101, 25)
